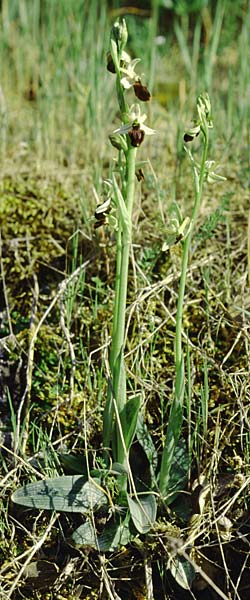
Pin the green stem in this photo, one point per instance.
(118, 391)
(109, 407)
(125, 251)
(117, 293)
(176, 412)
(185, 255)
(121, 99)
(119, 373)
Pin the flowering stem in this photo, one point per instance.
(120, 412)
(125, 251)
(198, 181)
(119, 375)
(121, 99)
(109, 407)
(124, 201)
(176, 412)
(118, 271)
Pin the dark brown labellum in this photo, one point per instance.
(189, 138)
(99, 216)
(99, 223)
(110, 63)
(136, 136)
(140, 174)
(141, 91)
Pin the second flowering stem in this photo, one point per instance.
(176, 412)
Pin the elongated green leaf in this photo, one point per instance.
(118, 469)
(119, 382)
(179, 470)
(120, 397)
(140, 468)
(173, 431)
(113, 536)
(73, 464)
(66, 493)
(145, 440)
(129, 419)
(85, 535)
(143, 511)
(182, 571)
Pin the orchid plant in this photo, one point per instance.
(122, 418)
(130, 501)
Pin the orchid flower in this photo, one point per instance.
(135, 120)
(130, 74)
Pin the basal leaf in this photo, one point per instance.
(73, 464)
(173, 432)
(119, 469)
(182, 571)
(140, 467)
(41, 573)
(112, 537)
(85, 535)
(115, 535)
(143, 511)
(179, 470)
(66, 493)
(145, 440)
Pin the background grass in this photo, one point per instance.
(57, 107)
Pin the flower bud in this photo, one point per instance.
(119, 33)
(204, 109)
(204, 100)
(118, 141)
